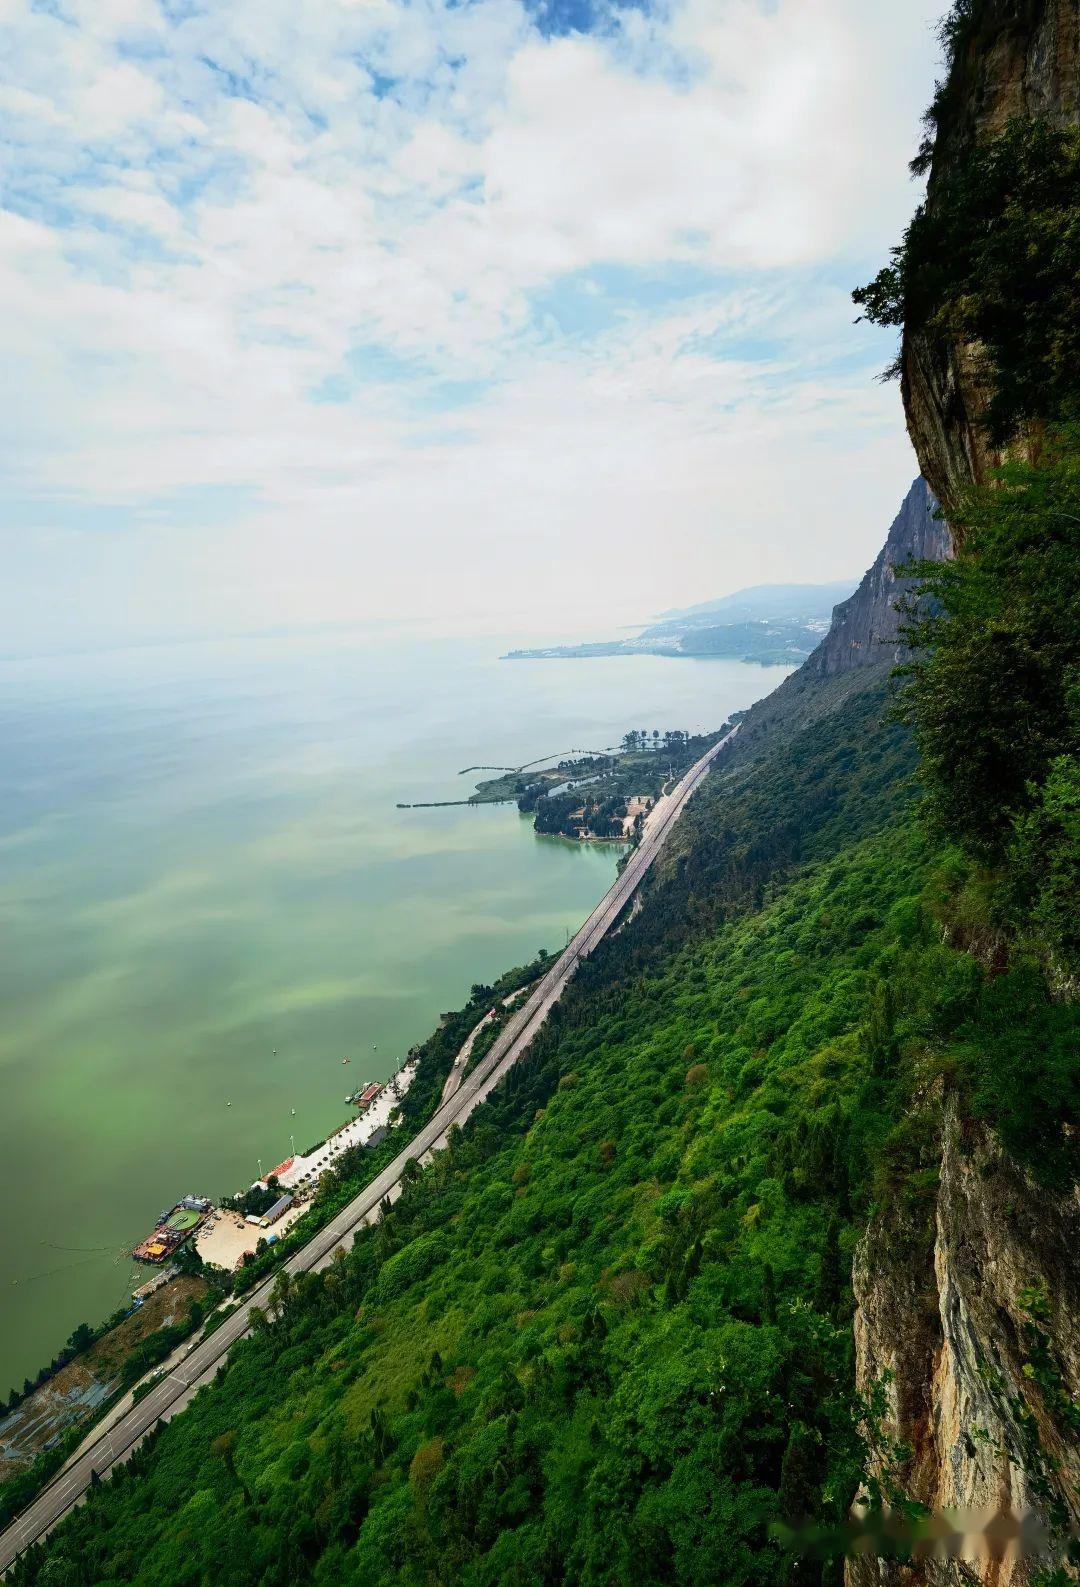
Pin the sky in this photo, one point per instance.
(520, 315)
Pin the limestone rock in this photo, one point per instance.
(864, 628)
(941, 1320)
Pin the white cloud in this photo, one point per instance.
(207, 222)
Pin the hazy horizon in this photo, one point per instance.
(405, 312)
(558, 627)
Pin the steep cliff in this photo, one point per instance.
(967, 1326)
(864, 629)
(862, 643)
(967, 1321)
(1011, 58)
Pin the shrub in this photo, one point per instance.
(994, 256)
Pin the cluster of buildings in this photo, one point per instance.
(226, 1237)
(172, 1229)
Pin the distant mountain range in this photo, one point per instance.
(773, 624)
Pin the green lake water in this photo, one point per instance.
(201, 862)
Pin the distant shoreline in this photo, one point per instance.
(769, 625)
(587, 796)
(620, 647)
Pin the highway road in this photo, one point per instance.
(122, 1434)
(453, 1080)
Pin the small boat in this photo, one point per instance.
(228, 1104)
(344, 1060)
(293, 1112)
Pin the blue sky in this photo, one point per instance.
(473, 308)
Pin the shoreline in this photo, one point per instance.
(224, 1242)
(229, 1234)
(165, 1393)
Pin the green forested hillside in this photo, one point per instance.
(607, 1337)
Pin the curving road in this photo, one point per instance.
(121, 1435)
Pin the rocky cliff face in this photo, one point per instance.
(969, 1325)
(1019, 58)
(862, 641)
(864, 629)
(968, 1322)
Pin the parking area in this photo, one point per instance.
(225, 1239)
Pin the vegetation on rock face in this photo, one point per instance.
(956, 32)
(986, 287)
(994, 690)
(994, 258)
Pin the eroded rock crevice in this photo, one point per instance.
(958, 1325)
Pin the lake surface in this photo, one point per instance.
(201, 862)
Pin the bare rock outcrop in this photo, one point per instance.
(975, 1341)
(865, 628)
